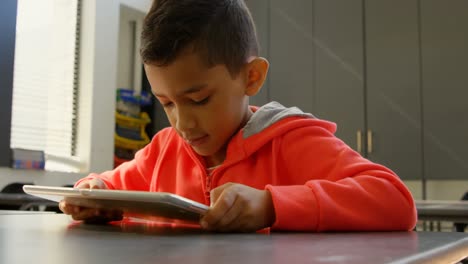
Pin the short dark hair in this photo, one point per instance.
(221, 31)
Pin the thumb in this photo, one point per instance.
(83, 185)
(97, 183)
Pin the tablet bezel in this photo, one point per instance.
(160, 204)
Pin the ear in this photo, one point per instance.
(257, 70)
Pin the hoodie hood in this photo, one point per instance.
(269, 114)
(269, 122)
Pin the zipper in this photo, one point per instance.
(208, 188)
(209, 181)
(205, 176)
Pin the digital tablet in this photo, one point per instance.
(158, 204)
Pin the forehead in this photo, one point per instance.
(187, 70)
(187, 64)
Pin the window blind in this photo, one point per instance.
(45, 77)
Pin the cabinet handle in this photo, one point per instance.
(369, 141)
(359, 141)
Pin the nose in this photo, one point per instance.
(185, 119)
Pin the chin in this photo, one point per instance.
(202, 151)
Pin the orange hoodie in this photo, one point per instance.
(317, 182)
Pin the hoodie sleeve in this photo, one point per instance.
(342, 190)
(135, 174)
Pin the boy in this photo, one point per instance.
(257, 167)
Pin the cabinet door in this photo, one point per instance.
(291, 53)
(261, 14)
(444, 40)
(393, 86)
(338, 42)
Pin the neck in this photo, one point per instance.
(220, 156)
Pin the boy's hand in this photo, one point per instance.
(240, 208)
(91, 215)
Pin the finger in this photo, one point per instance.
(83, 213)
(227, 221)
(239, 224)
(104, 216)
(244, 227)
(97, 183)
(83, 185)
(216, 192)
(65, 208)
(233, 226)
(219, 209)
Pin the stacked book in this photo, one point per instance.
(27, 159)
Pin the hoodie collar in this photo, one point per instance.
(269, 114)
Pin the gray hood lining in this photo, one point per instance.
(269, 114)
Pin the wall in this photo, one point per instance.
(438, 190)
(100, 72)
(98, 80)
(129, 48)
(336, 19)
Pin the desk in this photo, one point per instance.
(56, 239)
(453, 211)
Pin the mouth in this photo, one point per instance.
(197, 141)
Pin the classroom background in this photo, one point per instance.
(391, 74)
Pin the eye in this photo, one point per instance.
(166, 105)
(202, 102)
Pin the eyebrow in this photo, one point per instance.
(193, 89)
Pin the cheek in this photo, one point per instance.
(237, 106)
(171, 117)
(228, 115)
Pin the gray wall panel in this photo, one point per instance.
(291, 53)
(393, 85)
(444, 38)
(338, 30)
(260, 10)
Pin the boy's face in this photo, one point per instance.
(205, 105)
